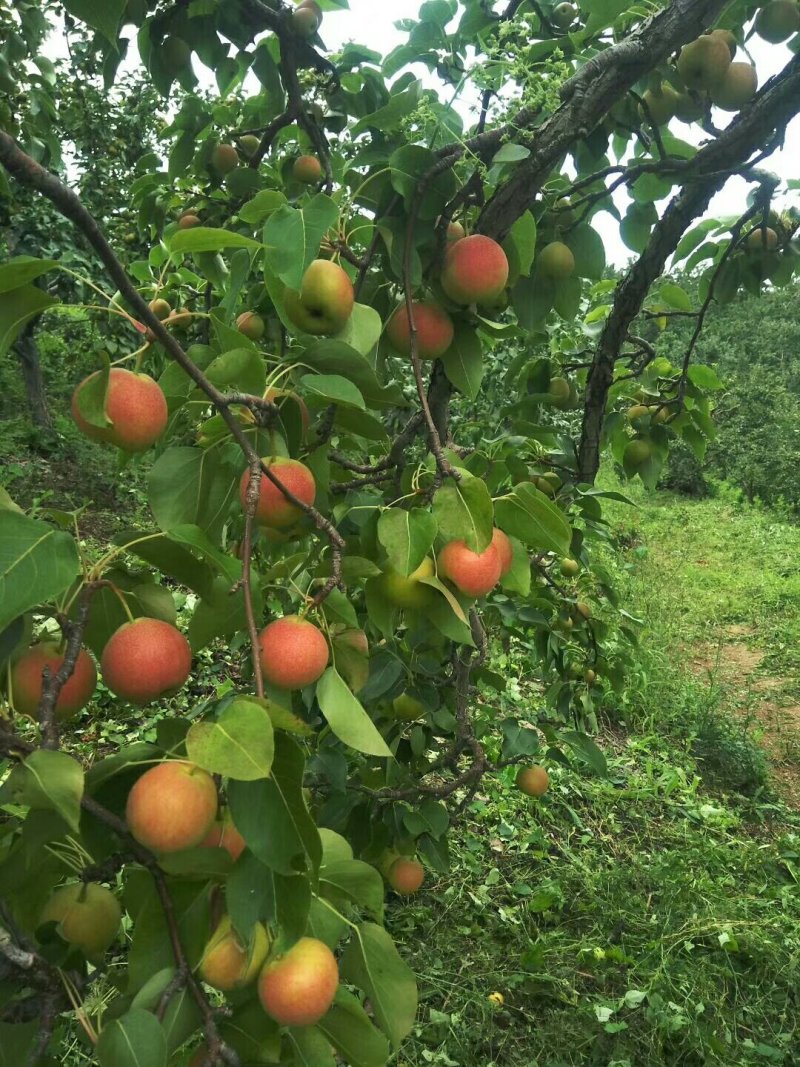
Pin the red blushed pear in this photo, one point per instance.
(434, 330)
(297, 988)
(307, 169)
(406, 876)
(228, 963)
(224, 158)
(251, 325)
(135, 405)
(171, 807)
(188, 221)
(475, 270)
(273, 508)
(504, 550)
(324, 301)
(293, 652)
(26, 680)
(474, 573)
(88, 916)
(223, 834)
(145, 659)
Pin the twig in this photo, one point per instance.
(53, 684)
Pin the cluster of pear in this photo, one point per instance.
(173, 807)
(709, 73)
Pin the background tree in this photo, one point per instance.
(305, 330)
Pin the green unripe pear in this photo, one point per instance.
(559, 392)
(778, 21)
(729, 40)
(570, 567)
(660, 105)
(88, 916)
(556, 261)
(638, 454)
(564, 15)
(249, 144)
(409, 592)
(737, 88)
(702, 63)
(407, 708)
(761, 240)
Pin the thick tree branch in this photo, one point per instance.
(772, 109)
(587, 98)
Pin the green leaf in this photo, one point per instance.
(636, 226)
(511, 153)
(51, 781)
(239, 744)
(407, 537)
(704, 377)
(372, 962)
(523, 236)
(346, 717)
(134, 1040)
(587, 247)
(194, 486)
(19, 270)
(208, 239)
(333, 388)
(358, 881)
(261, 206)
(603, 13)
(464, 512)
(389, 116)
(221, 613)
(37, 564)
(675, 296)
(362, 330)
(463, 361)
(408, 166)
(527, 514)
(334, 356)
(348, 1028)
(272, 816)
(586, 749)
(18, 307)
(310, 1048)
(292, 237)
(101, 15)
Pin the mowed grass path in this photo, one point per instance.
(721, 582)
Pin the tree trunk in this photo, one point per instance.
(28, 355)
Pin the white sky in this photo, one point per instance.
(369, 23)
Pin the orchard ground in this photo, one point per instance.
(652, 917)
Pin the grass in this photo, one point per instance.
(652, 917)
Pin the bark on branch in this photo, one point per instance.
(775, 105)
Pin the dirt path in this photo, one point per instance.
(760, 698)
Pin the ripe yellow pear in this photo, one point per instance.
(227, 962)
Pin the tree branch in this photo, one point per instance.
(707, 172)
